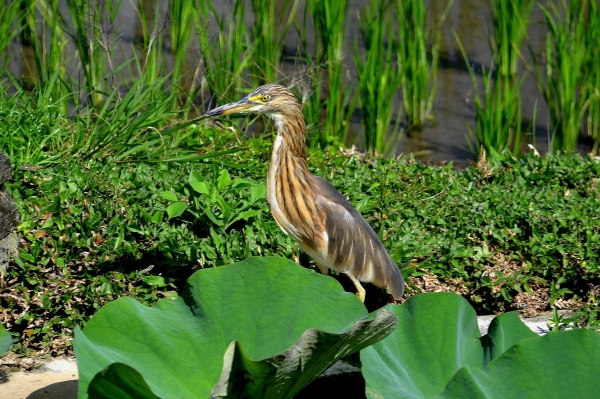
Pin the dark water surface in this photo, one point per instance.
(441, 140)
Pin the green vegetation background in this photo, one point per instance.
(520, 235)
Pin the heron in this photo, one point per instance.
(308, 208)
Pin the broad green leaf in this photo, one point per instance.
(504, 331)
(176, 209)
(201, 187)
(212, 217)
(120, 381)
(437, 334)
(265, 304)
(245, 215)
(198, 183)
(157, 281)
(284, 375)
(195, 176)
(225, 208)
(241, 183)
(224, 179)
(157, 217)
(169, 196)
(258, 192)
(145, 215)
(561, 364)
(5, 340)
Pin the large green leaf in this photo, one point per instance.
(435, 352)
(5, 340)
(561, 364)
(265, 304)
(284, 375)
(120, 381)
(437, 334)
(504, 331)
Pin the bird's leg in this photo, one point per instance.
(323, 269)
(360, 291)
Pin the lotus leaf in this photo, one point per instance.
(261, 305)
(435, 352)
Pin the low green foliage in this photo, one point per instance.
(520, 235)
(452, 361)
(245, 322)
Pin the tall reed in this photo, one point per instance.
(564, 79)
(9, 28)
(379, 79)
(182, 14)
(94, 37)
(590, 10)
(329, 20)
(272, 20)
(226, 57)
(417, 52)
(510, 20)
(499, 127)
(152, 41)
(498, 117)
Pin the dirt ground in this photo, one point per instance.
(55, 379)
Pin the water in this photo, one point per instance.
(445, 138)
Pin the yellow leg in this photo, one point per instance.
(324, 270)
(360, 291)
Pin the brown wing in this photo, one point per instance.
(352, 244)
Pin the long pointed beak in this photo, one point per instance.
(239, 106)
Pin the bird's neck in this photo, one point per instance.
(288, 159)
(291, 134)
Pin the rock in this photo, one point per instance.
(9, 214)
(9, 248)
(9, 217)
(4, 168)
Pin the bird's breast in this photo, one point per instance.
(290, 196)
(273, 187)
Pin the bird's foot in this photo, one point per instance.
(360, 291)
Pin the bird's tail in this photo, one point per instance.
(395, 283)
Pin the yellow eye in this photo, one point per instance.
(265, 98)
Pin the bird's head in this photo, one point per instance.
(272, 100)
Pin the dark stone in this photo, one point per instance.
(4, 168)
(9, 248)
(9, 214)
(9, 217)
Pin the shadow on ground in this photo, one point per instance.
(59, 390)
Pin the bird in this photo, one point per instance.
(308, 208)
